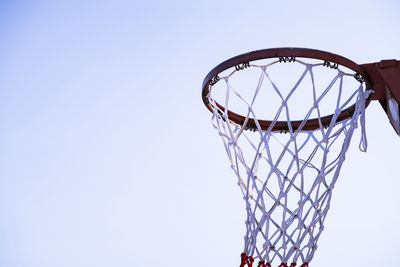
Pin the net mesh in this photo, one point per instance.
(286, 178)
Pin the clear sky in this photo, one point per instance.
(108, 156)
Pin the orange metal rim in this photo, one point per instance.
(311, 124)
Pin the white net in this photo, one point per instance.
(286, 177)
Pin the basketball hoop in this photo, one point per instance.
(286, 117)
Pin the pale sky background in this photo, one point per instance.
(108, 156)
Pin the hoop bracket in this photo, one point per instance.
(385, 80)
(384, 73)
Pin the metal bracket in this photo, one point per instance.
(385, 81)
(381, 74)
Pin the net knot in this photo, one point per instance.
(367, 93)
(246, 260)
(325, 140)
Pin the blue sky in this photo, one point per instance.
(107, 154)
